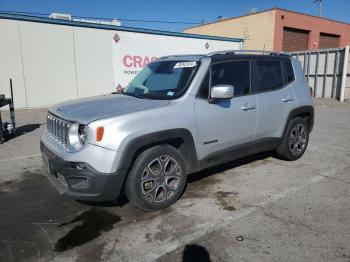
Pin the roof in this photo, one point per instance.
(268, 10)
(47, 20)
(229, 57)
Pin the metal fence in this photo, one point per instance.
(327, 72)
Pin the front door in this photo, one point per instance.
(226, 123)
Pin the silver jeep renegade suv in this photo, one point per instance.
(179, 115)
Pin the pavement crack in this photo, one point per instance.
(336, 179)
(288, 222)
(10, 252)
(46, 234)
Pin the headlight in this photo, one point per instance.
(77, 136)
(82, 134)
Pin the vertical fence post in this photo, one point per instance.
(335, 75)
(305, 63)
(308, 67)
(344, 73)
(325, 75)
(316, 73)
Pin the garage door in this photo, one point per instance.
(295, 39)
(328, 40)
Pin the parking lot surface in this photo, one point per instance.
(256, 209)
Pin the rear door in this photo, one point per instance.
(272, 84)
(224, 124)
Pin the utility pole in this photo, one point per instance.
(320, 6)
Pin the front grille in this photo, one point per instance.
(57, 129)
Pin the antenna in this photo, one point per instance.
(252, 10)
(320, 6)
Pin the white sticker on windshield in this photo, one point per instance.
(185, 64)
(170, 93)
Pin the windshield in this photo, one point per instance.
(163, 80)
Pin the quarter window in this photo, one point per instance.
(268, 75)
(236, 74)
(204, 88)
(288, 72)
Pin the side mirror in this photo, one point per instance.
(221, 92)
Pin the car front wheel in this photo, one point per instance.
(157, 178)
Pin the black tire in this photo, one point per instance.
(157, 178)
(286, 150)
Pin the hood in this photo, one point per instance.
(91, 109)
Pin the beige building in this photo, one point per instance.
(257, 29)
(280, 30)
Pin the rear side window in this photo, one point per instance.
(268, 75)
(235, 73)
(288, 72)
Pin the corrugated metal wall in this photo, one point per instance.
(323, 70)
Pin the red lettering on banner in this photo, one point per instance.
(126, 59)
(137, 61)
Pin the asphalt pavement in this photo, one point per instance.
(255, 209)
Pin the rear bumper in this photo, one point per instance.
(79, 180)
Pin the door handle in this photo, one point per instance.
(247, 107)
(287, 99)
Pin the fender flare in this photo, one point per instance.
(156, 138)
(309, 110)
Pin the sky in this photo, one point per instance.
(187, 11)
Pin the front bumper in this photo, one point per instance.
(79, 180)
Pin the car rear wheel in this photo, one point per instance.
(157, 178)
(295, 141)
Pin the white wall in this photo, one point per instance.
(11, 62)
(51, 63)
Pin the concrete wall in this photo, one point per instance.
(50, 63)
(315, 25)
(257, 30)
(323, 70)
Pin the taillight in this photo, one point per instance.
(99, 133)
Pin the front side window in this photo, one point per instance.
(235, 73)
(268, 75)
(163, 80)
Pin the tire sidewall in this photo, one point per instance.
(133, 188)
(292, 124)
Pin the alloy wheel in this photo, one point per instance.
(160, 179)
(298, 139)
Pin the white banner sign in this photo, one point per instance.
(133, 51)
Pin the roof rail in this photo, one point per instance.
(263, 52)
(169, 56)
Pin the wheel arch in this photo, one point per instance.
(304, 112)
(179, 138)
